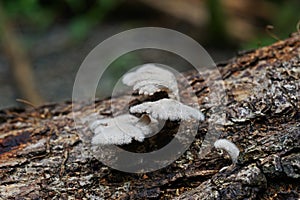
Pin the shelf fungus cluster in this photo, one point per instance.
(144, 119)
(147, 80)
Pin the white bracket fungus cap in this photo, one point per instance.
(150, 78)
(122, 129)
(229, 147)
(168, 109)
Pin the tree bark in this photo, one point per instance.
(44, 156)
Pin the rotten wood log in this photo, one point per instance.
(44, 156)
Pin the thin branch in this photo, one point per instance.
(19, 61)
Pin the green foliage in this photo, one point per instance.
(115, 71)
(217, 23)
(81, 16)
(30, 12)
(287, 17)
(80, 25)
(284, 22)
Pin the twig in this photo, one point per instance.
(269, 29)
(20, 64)
(26, 102)
(298, 26)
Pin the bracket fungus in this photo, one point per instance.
(168, 109)
(122, 129)
(229, 147)
(148, 80)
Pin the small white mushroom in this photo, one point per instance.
(229, 147)
(147, 79)
(150, 78)
(122, 129)
(165, 109)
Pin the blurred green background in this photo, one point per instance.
(43, 42)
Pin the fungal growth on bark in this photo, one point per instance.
(143, 119)
(147, 80)
(150, 79)
(229, 147)
(122, 129)
(168, 109)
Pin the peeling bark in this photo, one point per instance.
(43, 155)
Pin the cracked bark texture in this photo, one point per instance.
(43, 155)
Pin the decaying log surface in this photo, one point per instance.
(42, 154)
